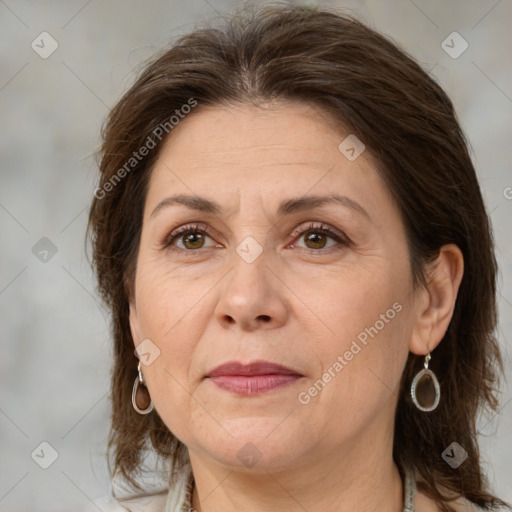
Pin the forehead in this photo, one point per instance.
(264, 153)
(243, 132)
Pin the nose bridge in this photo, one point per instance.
(251, 294)
(249, 279)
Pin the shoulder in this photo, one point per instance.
(464, 505)
(426, 504)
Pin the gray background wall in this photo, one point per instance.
(54, 338)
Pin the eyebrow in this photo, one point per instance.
(286, 207)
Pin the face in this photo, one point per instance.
(246, 267)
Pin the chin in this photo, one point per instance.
(256, 444)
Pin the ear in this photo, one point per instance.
(436, 301)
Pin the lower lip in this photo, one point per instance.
(255, 384)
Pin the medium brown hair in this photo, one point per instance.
(379, 93)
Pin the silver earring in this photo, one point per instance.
(425, 389)
(140, 394)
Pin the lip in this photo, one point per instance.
(232, 368)
(253, 378)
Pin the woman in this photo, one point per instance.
(292, 240)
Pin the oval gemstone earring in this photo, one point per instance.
(425, 389)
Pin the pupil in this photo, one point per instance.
(190, 238)
(316, 238)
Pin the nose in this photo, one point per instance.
(252, 296)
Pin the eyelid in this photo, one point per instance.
(203, 228)
(190, 227)
(325, 228)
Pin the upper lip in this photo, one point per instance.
(251, 369)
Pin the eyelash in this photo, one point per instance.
(204, 229)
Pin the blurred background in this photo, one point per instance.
(63, 66)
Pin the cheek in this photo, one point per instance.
(364, 351)
(167, 300)
(352, 301)
(172, 312)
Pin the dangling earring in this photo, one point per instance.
(428, 391)
(140, 394)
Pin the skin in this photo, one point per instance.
(301, 303)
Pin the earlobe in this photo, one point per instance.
(436, 301)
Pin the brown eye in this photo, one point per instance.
(188, 238)
(315, 240)
(193, 240)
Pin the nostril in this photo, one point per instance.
(265, 318)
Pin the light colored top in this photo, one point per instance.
(179, 498)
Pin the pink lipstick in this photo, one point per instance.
(253, 378)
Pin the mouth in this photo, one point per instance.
(253, 378)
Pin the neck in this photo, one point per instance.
(360, 475)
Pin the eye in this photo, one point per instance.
(316, 237)
(191, 237)
(188, 238)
